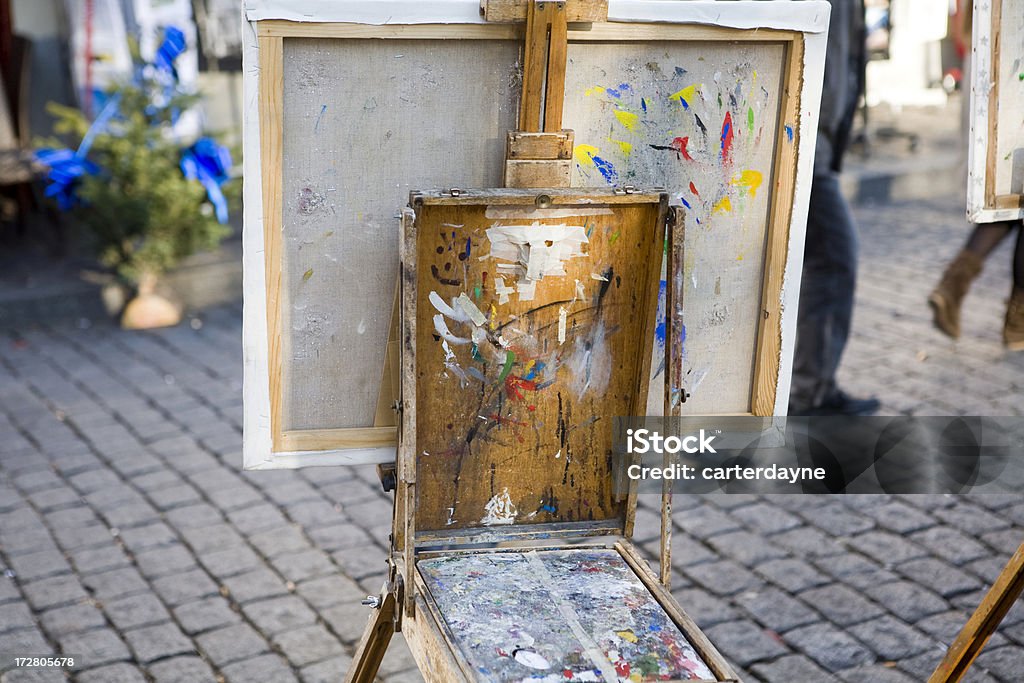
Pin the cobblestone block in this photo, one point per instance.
(745, 547)
(115, 583)
(258, 584)
(259, 517)
(765, 518)
(973, 520)
(135, 611)
(348, 619)
(790, 669)
(886, 548)
(112, 673)
(62, 621)
(841, 605)
(194, 516)
(855, 571)
(148, 537)
(776, 610)
(280, 541)
(950, 545)
(892, 639)
(308, 645)
(39, 565)
(791, 575)
(908, 601)
(54, 591)
(876, 673)
(178, 589)
(16, 616)
(301, 566)
(745, 642)
(185, 669)
(940, 576)
(205, 615)
(97, 647)
(225, 563)
(829, 647)
(266, 668)
(327, 671)
(279, 614)
(161, 641)
(837, 519)
(330, 590)
(99, 559)
(722, 578)
(899, 517)
(166, 560)
(231, 644)
(212, 538)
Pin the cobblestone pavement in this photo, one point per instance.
(131, 538)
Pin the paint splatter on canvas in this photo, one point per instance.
(704, 122)
(558, 615)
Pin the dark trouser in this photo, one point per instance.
(826, 294)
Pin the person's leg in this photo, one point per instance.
(947, 297)
(826, 297)
(1013, 330)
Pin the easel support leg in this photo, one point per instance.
(983, 623)
(374, 643)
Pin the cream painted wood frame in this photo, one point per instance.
(800, 26)
(997, 95)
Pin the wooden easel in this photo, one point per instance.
(583, 521)
(983, 623)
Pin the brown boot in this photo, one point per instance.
(1013, 330)
(946, 298)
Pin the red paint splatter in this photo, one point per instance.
(622, 668)
(679, 145)
(506, 420)
(568, 674)
(514, 383)
(693, 189)
(727, 138)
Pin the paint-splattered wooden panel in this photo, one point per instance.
(702, 120)
(558, 615)
(533, 330)
(365, 122)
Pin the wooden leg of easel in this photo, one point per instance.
(983, 623)
(374, 643)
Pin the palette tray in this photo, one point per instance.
(560, 615)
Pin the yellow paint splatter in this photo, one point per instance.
(627, 118)
(494, 317)
(740, 257)
(749, 179)
(627, 635)
(585, 154)
(596, 90)
(686, 94)
(626, 147)
(723, 206)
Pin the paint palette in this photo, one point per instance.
(558, 615)
(534, 313)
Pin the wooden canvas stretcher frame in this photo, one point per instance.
(991, 53)
(800, 26)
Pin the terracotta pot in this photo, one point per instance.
(148, 309)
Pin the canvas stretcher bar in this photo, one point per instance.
(995, 187)
(273, 24)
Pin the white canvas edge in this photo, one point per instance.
(982, 82)
(744, 14)
(257, 451)
(789, 299)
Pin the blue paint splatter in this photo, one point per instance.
(682, 101)
(547, 507)
(680, 71)
(726, 129)
(685, 203)
(618, 91)
(789, 133)
(643, 104)
(316, 126)
(537, 367)
(606, 169)
(468, 247)
(659, 330)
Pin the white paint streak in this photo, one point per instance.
(533, 252)
(470, 309)
(499, 510)
(441, 327)
(562, 317)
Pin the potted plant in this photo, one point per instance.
(149, 197)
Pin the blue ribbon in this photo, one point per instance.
(170, 49)
(66, 167)
(210, 164)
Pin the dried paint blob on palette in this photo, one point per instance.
(558, 615)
